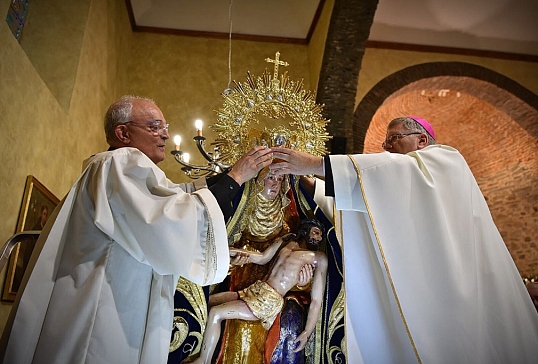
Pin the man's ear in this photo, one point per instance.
(422, 141)
(122, 134)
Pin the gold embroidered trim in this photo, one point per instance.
(337, 313)
(181, 330)
(359, 177)
(210, 257)
(237, 223)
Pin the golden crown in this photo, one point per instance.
(255, 113)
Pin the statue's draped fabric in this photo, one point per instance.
(123, 227)
(428, 276)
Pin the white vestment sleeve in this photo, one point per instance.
(157, 222)
(217, 250)
(347, 191)
(325, 203)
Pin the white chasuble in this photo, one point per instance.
(428, 277)
(105, 271)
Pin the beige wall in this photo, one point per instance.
(380, 63)
(46, 20)
(316, 47)
(38, 136)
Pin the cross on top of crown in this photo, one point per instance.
(277, 63)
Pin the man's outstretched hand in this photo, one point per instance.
(295, 162)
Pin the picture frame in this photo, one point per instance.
(37, 205)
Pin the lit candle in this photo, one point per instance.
(186, 157)
(198, 124)
(177, 142)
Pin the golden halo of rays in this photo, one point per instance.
(264, 109)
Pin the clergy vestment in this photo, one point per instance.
(102, 287)
(428, 277)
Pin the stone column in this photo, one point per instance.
(348, 32)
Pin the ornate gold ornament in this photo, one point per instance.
(269, 111)
(180, 327)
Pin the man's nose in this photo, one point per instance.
(164, 134)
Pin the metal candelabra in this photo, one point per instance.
(212, 167)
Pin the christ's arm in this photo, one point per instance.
(317, 293)
(261, 258)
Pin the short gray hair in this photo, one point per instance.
(120, 113)
(411, 125)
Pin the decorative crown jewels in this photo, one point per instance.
(255, 113)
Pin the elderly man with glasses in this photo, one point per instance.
(105, 269)
(428, 278)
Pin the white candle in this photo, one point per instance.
(177, 142)
(198, 124)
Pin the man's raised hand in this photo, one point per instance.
(296, 162)
(250, 164)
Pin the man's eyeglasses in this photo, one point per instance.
(395, 137)
(154, 126)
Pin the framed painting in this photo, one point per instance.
(37, 205)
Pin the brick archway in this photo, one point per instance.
(373, 100)
(491, 119)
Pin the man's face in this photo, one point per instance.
(44, 215)
(145, 116)
(272, 186)
(314, 238)
(406, 142)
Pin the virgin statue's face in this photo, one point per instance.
(272, 186)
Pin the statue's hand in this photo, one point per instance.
(250, 164)
(239, 257)
(305, 275)
(301, 340)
